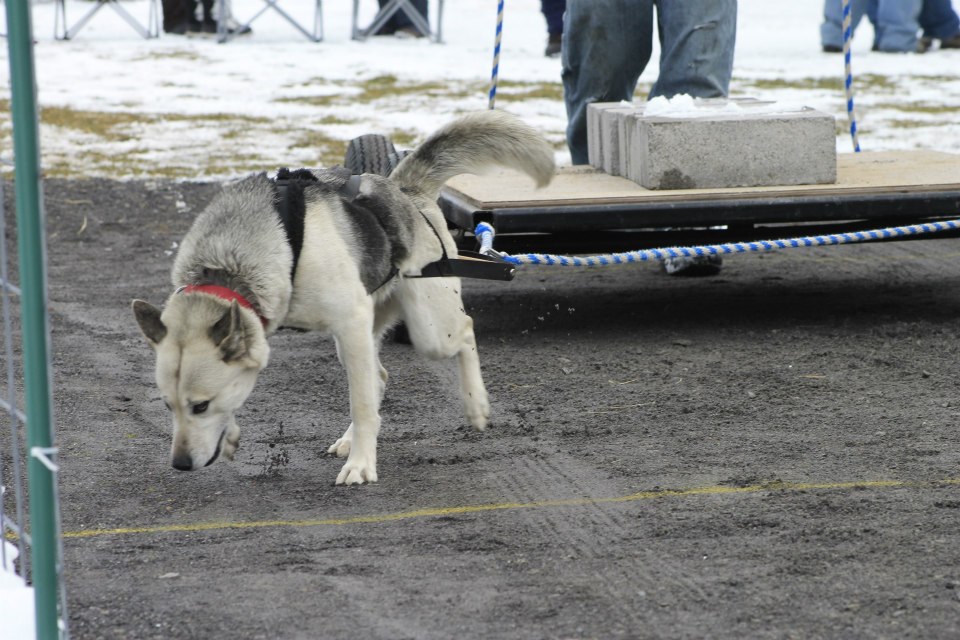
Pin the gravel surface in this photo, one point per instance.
(768, 453)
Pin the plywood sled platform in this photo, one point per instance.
(582, 204)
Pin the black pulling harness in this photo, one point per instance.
(290, 207)
(469, 264)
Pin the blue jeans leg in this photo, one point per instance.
(831, 31)
(608, 43)
(939, 20)
(697, 39)
(553, 12)
(898, 25)
(606, 46)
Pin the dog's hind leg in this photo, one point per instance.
(440, 328)
(386, 316)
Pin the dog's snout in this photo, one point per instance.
(182, 462)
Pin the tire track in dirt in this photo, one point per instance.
(595, 535)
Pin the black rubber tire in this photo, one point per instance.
(394, 159)
(370, 153)
(374, 153)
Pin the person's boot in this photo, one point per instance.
(208, 24)
(175, 13)
(953, 42)
(554, 45)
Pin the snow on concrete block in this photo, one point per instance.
(687, 144)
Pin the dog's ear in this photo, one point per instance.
(228, 334)
(148, 317)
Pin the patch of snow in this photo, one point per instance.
(16, 600)
(261, 94)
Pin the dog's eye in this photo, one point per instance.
(200, 407)
(169, 408)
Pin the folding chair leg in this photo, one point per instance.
(60, 19)
(318, 20)
(439, 32)
(147, 33)
(387, 11)
(288, 18)
(316, 36)
(354, 28)
(69, 33)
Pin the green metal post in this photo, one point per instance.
(33, 287)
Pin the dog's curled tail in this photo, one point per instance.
(474, 144)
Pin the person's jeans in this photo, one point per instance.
(831, 31)
(895, 22)
(553, 12)
(608, 43)
(939, 20)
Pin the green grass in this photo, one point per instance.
(916, 107)
(508, 91)
(112, 127)
(113, 143)
(803, 84)
(329, 150)
(313, 101)
(867, 82)
(379, 88)
(317, 139)
(105, 125)
(190, 56)
(911, 124)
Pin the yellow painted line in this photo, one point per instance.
(503, 506)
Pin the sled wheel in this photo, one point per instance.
(394, 159)
(370, 153)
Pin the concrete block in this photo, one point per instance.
(594, 136)
(755, 145)
(626, 127)
(611, 133)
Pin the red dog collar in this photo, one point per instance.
(223, 293)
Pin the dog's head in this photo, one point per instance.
(209, 352)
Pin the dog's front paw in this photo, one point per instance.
(341, 448)
(358, 471)
(478, 410)
(231, 441)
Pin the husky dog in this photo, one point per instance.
(237, 280)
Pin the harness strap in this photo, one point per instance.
(292, 213)
(467, 265)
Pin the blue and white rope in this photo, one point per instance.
(485, 233)
(496, 56)
(848, 74)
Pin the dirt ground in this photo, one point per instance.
(768, 453)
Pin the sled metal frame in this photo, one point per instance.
(694, 217)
